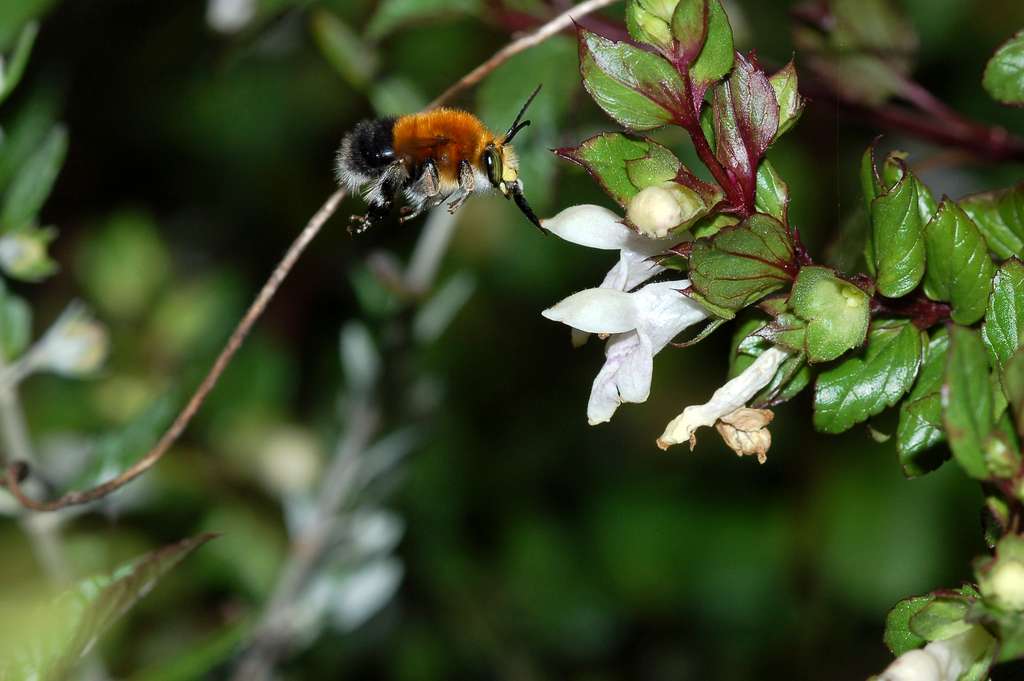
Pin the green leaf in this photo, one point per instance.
(772, 195)
(899, 638)
(1004, 74)
(343, 49)
(898, 239)
(1013, 386)
(394, 14)
(787, 94)
(1000, 217)
(690, 28)
(716, 58)
(624, 165)
(893, 170)
(861, 387)
(746, 120)
(967, 401)
(80, 616)
(959, 269)
(940, 619)
(741, 264)
(871, 187)
(920, 425)
(639, 89)
(24, 132)
(837, 312)
(15, 324)
(1003, 329)
(13, 69)
(33, 183)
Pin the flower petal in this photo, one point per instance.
(597, 310)
(913, 665)
(625, 376)
(591, 226)
(727, 399)
(666, 312)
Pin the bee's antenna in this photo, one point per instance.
(516, 191)
(516, 124)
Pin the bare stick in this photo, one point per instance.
(556, 25)
(16, 470)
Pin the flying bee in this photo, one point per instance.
(429, 158)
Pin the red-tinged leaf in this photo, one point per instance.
(746, 118)
(639, 89)
(624, 165)
(689, 29)
(742, 264)
(716, 56)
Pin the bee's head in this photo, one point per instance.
(502, 165)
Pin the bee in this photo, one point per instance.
(429, 158)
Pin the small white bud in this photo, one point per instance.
(23, 254)
(656, 211)
(76, 344)
(1006, 584)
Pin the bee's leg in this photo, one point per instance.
(425, 189)
(467, 183)
(381, 198)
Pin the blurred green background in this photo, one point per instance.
(535, 547)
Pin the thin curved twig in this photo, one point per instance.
(556, 25)
(17, 471)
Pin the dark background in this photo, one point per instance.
(535, 547)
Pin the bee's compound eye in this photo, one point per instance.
(491, 165)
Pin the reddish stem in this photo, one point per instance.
(921, 311)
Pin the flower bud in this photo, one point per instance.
(656, 211)
(23, 254)
(1001, 579)
(76, 344)
(649, 22)
(1006, 584)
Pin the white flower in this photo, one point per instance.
(727, 399)
(640, 324)
(597, 227)
(940, 660)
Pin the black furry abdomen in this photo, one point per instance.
(370, 146)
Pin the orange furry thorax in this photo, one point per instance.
(447, 136)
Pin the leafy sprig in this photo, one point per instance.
(934, 327)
